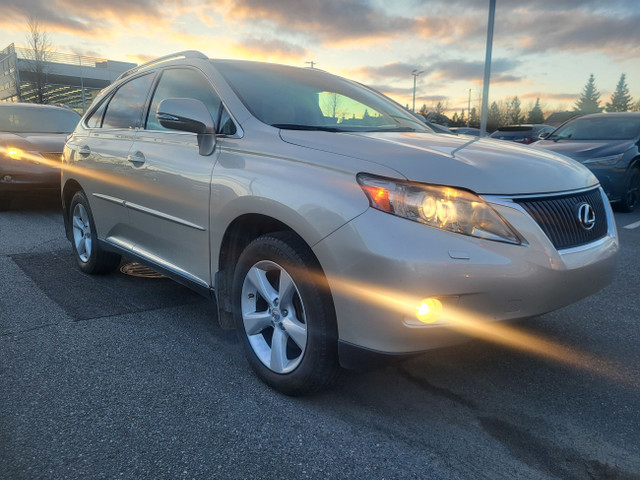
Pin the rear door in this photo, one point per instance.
(102, 148)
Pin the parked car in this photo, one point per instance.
(521, 133)
(31, 141)
(475, 132)
(609, 145)
(326, 238)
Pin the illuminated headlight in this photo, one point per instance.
(446, 208)
(15, 153)
(612, 160)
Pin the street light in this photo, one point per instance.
(469, 106)
(415, 74)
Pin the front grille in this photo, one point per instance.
(558, 217)
(53, 157)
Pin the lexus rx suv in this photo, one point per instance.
(330, 225)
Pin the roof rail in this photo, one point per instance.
(166, 58)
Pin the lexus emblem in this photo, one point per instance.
(586, 216)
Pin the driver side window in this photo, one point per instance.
(183, 83)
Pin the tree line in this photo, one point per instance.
(511, 111)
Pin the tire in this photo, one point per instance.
(89, 256)
(631, 196)
(284, 315)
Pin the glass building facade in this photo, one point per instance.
(59, 78)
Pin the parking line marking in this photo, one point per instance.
(633, 225)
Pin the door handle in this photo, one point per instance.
(136, 158)
(84, 151)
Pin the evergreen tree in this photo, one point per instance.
(620, 99)
(462, 119)
(455, 121)
(589, 101)
(494, 117)
(474, 119)
(516, 113)
(536, 115)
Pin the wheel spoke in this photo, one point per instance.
(256, 322)
(297, 331)
(286, 289)
(278, 360)
(77, 222)
(81, 247)
(259, 280)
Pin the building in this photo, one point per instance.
(59, 78)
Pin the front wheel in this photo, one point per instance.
(89, 256)
(631, 196)
(284, 315)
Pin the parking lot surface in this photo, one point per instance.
(129, 377)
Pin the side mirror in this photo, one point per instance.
(189, 115)
(544, 135)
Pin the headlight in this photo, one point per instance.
(14, 153)
(446, 208)
(612, 160)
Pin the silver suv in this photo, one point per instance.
(330, 224)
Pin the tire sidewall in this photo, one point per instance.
(320, 356)
(90, 265)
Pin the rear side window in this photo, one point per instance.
(183, 83)
(126, 106)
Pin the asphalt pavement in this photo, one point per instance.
(125, 377)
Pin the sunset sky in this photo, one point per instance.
(542, 48)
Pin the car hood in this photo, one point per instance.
(481, 165)
(40, 142)
(585, 149)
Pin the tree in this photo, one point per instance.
(517, 117)
(589, 101)
(620, 99)
(332, 106)
(38, 42)
(494, 117)
(535, 114)
(474, 119)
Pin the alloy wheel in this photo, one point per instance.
(274, 317)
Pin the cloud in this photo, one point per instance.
(579, 32)
(331, 22)
(458, 69)
(89, 18)
(389, 71)
(269, 49)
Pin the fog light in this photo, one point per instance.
(429, 310)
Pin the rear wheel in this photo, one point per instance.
(89, 256)
(284, 315)
(631, 197)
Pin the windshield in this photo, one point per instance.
(308, 99)
(27, 119)
(599, 128)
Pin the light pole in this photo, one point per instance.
(415, 74)
(469, 106)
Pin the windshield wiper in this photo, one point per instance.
(296, 126)
(395, 129)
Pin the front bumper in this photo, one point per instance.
(18, 176)
(379, 268)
